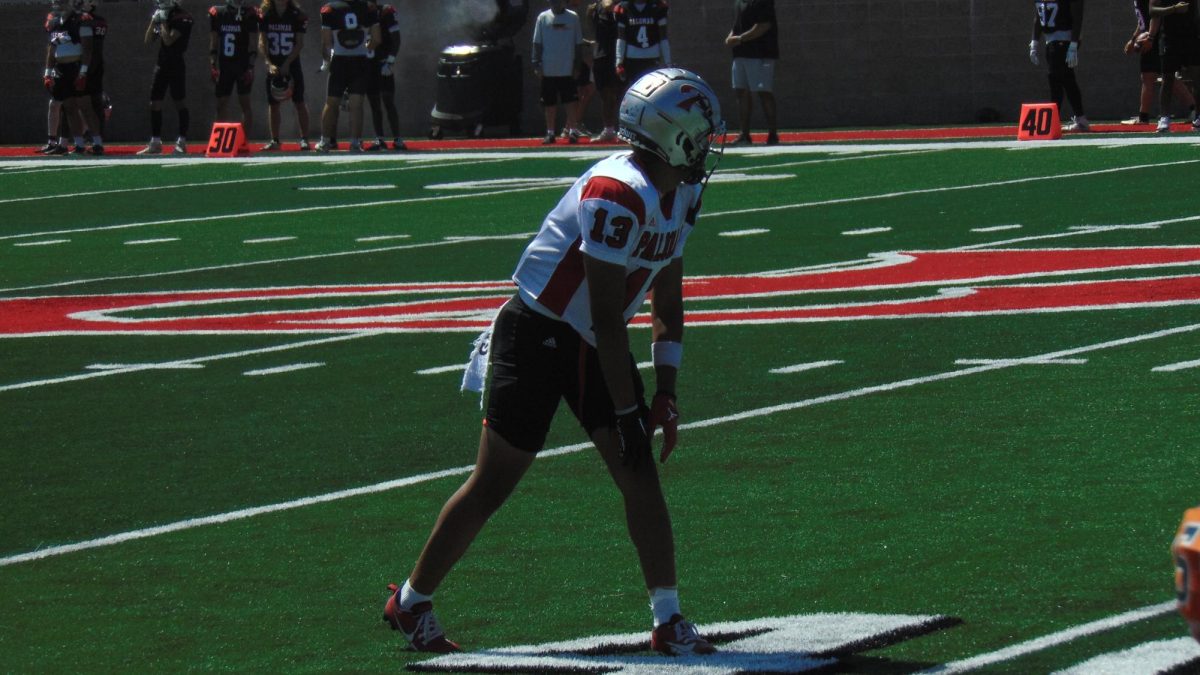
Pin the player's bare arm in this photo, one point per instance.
(666, 317)
(606, 291)
(376, 38)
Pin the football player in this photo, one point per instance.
(68, 58)
(604, 50)
(95, 80)
(349, 31)
(281, 37)
(1185, 551)
(615, 238)
(381, 80)
(1179, 47)
(171, 25)
(1057, 22)
(232, 48)
(1141, 44)
(641, 38)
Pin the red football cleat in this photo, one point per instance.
(419, 625)
(679, 637)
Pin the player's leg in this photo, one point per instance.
(741, 88)
(300, 105)
(335, 85)
(243, 92)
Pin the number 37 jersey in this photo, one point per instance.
(613, 214)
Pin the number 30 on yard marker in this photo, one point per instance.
(227, 140)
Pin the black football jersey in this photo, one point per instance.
(640, 27)
(66, 33)
(389, 29)
(177, 20)
(237, 33)
(1054, 15)
(280, 32)
(99, 32)
(605, 24)
(350, 21)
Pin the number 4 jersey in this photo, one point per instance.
(612, 213)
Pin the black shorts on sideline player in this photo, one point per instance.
(297, 76)
(535, 361)
(557, 90)
(347, 73)
(230, 76)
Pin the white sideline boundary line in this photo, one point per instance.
(1172, 367)
(1053, 639)
(555, 452)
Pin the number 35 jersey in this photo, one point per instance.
(613, 214)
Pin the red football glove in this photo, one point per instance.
(621, 72)
(665, 414)
(248, 77)
(48, 83)
(81, 83)
(216, 74)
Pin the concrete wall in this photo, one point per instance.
(845, 62)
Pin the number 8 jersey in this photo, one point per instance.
(614, 214)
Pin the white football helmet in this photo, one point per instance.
(674, 114)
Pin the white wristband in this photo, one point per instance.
(49, 72)
(666, 353)
(83, 70)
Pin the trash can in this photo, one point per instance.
(478, 85)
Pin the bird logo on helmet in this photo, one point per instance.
(281, 88)
(674, 114)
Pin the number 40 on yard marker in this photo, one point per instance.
(1039, 122)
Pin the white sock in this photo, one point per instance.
(664, 602)
(410, 597)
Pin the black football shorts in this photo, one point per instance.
(535, 362)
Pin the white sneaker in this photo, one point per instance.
(605, 136)
(1079, 123)
(1196, 124)
(1164, 125)
(180, 148)
(154, 148)
(322, 147)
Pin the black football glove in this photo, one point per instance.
(633, 437)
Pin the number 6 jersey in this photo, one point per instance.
(612, 213)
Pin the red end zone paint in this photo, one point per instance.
(410, 307)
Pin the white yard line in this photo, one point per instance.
(1172, 367)
(270, 261)
(278, 212)
(143, 242)
(1021, 362)
(170, 365)
(801, 367)
(456, 368)
(48, 242)
(743, 233)
(384, 237)
(866, 230)
(555, 452)
(996, 228)
(344, 188)
(950, 188)
(182, 363)
(211, 183)
(284, 369)
(266, 240)
(1053, 639)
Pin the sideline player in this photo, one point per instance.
(68, 57)
(1058, 23)
(1150, 66)
(281, 38)
(349, 31)
(1179, 47)
(171, 25)
(1185, 551)
(381, 77)
(232, 48)
(617, 235)
(641, 38)
(95, 81)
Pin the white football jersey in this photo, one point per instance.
(612, 213)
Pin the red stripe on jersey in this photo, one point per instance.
(613, 190)
(566, 279)
(634, 283)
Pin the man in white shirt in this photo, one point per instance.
(557, 59)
